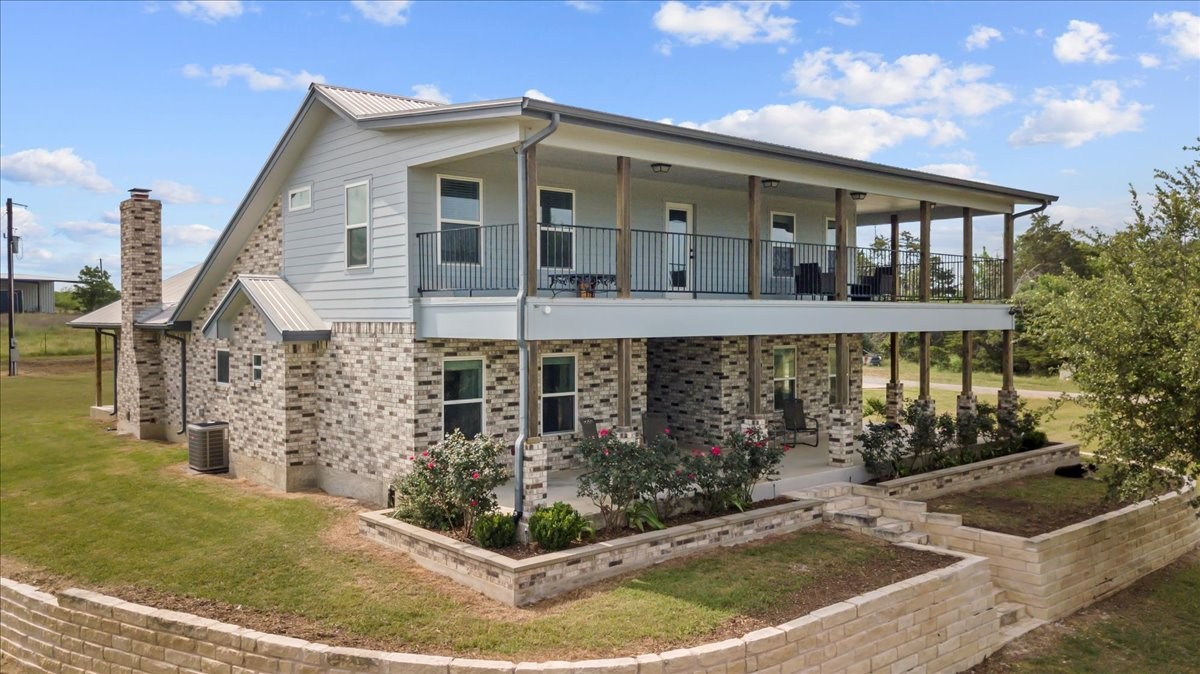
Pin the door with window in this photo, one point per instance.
(556, 228)
(679, 248)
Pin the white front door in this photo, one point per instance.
(679, 247)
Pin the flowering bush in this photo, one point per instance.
(628, 482)
(724, 475)
(451, 484)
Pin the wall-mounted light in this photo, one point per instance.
(858, 196)
(770, 183)
(660, 167)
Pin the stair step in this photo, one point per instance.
(1010, 613)
(1020, 628)
(914, 537)
(891, 531)
(846, 503)
(862, 516)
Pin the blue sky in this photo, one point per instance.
(188, 98)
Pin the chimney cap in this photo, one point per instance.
(139, 193)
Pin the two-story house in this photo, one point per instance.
(401, 268)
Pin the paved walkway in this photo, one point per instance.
(871, 382)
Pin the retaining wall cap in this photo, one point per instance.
(607, 666)
(29, 591)
(548, 667)
(467, 665)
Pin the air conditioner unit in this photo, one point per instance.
(208, 447)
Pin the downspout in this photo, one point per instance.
(182, 380)
(522, 297)
(116, 365)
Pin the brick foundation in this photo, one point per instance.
(895, 401)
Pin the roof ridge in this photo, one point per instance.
(376, 93)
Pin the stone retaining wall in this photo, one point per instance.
(518, 582)
(964, 478)
(941, 621)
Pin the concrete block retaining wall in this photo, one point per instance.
(964, 478)
(941, 621)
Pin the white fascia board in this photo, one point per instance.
(466, 317)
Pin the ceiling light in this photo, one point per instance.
(659, 167)
(770, 183)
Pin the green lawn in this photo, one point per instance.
(103, 511)
(40, 335)
(909, 371)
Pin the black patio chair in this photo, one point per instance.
(797, 423)
(654, 424)
(588, 426)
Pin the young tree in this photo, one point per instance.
(94, 289)
(1129, 335)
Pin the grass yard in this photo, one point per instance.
(911, 372)
(1153, 626)
(79, 505)
(41, 335)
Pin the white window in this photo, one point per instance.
(256, 367)
(460, 217)
(299, 198)
(222, 365)
(462, 396)
(783, 239)
(358, 221)
(558, 394)
(784, 380)
(556, 228)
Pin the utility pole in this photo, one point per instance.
(12, 290)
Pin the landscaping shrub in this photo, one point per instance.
(621, 475)
(451, 484)
(725, 474)
(495, 530)
(557, 526)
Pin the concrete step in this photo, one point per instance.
(845, 503)
(1011, 613)
(890, 529)
(914, 537)
(1019, 629)
(861, 516)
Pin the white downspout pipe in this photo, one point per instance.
(522, 297)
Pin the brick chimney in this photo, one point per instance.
(140, 401)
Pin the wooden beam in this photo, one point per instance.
(754, 358)
(1006, 355)
(531, 221)
(926, 272)
(625, 382)
(895, 357)
(968, 280)
(923, 364)
(895, 257)
(754, 228)
(1009, 223)
(99, 370)
(624, 219)
(841, 270)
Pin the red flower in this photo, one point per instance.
(425, 453)
(412, 458)
(759, 443)
(666, 431)
(475, 476)
(604, 432)
(716, 451)
(474, 503)
(605, 451)
(429, 465)
(691, 476)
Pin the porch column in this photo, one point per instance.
(925, 291)
(537, 457)
(895, 390)
(624, 237)
(841, 269)
(966, 399)
(754, 227)
(624, 384)
(531, 223)
(1006, 404)
(99, 369)
(843, 425)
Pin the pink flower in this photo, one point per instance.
(475, 476)
(605, 451)
(691, 476)
(604, 432)
(425, 453)
(759, 443)
(679, 472)
(716, 451)
(429, 465)
(474, 503)
(412, 458)
(666, 431)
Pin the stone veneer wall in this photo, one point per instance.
(941, 621)
(140, 368)
(964, 478)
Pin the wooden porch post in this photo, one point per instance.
(1008, 293)
(624, 237)
(895, 351)
(99, 369)
(968, 279)
(841, 271)
(531, 283)
(754, 227)
(925, 292)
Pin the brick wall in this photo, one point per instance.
(140, 402)
(964, 478)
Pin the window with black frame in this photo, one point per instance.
(462, 396)
(784, 379)
(558, 394)
(556, 220)
(460, 220)
(783, 237)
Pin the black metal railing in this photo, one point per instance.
(483, 260)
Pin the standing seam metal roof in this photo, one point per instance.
(363, 103)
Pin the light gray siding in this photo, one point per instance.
(314, 248)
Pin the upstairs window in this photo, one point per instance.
(222, 366)
(558, 394)
(358, 220)
(556, 220)
(256, 367)
(299, 198)
(460, 217)
(783, 239)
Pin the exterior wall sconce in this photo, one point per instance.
(770, 183)
(858, 196)
(659, 167)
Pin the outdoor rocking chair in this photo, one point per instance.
(588, 426)
(796, 423)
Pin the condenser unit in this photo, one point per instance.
(208, 447)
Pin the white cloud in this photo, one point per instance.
(852, 133)
(728, 23)
(981, 37)
(276, 80)
(663, 47)
(1149, 60)
(1183, 32)
(1104, 218)
(921, 82)
(430, 92)
(384, 12)
(849, 14)
(1092, 112)
(25, 223)
(210, 11)
(40, 166)
(534, 93)
(90, 228)
(40, 254)
(189, 235)
(172, 192)
(1083, 41)
(584, 5)
(111, 216)
(953, 170)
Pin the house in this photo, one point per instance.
(401, 268)
(31, 294)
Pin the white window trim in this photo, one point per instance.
(482, 390)
(256, 368)
(365, 225)
(791, 244)
(542, 395)
(557, 228)
(795, 378)
(297, 190)
(217, 366)
(437, 197)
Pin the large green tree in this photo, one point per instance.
(94, 288)
(1131, 335)
(1048, 248)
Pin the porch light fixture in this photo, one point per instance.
(660, 167)
(858, 196)
(770, 183)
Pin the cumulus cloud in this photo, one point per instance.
(1182, 32)
(953, 170)
(172, 192)
(44, 167)
(584, 5)
(728, 23)
(384, 12)
(981, 37)
(430, 92)
(111, 216)
(189, 235)
(1083, 42)
(210, 11)
(1106, 219)
(90, 228)
(256, 80)
(836, 130)
(1090, 112)
(922, 83)
(25, 223)
(1149, 60)
(849, 14)
(534, 93)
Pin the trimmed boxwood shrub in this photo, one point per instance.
(495, 530)
(556, 527)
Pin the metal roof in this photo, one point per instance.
(31, 278)
(366, 103)
(289, 317)
(109, 315)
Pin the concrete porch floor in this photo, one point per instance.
(802, 467)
